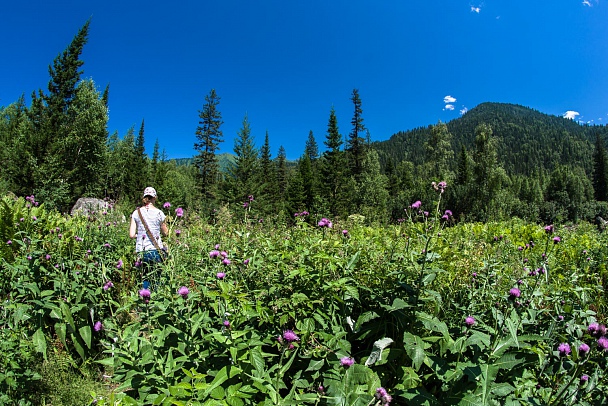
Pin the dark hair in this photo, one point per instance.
(148, 199)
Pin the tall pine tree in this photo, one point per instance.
(209, 136)
(356, 143)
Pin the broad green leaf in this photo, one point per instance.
(414, 347)
(315, 365)
(39, 341)
(85, 334)
(508, 361)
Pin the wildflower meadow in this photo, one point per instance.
(319, 311)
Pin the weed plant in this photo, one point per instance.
(319, 311)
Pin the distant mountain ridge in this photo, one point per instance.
(528, 140)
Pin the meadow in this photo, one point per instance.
(253, 311)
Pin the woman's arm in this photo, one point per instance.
(133, 229)
(164, 229)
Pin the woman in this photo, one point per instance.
(145, 247)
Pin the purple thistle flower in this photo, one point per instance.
(97, 326)
(145, 295)
(226, 323)
(119, 264)
(246, 261)
(593, 328)
(183, 292)
(416, 204)
(345, 233)
(108, 285)
(602, 343)
(166, 205)
(290, 336)
(220, 275)
(560, 318)
(226, 261)
(514, 293)
(347, 361)
(178, 232)
(584, 378)
(469, 321)
(214, 254)
(583, 349)
(324, 222)
(556, 239)
(549, 229)
(564, 349)
(179, 212)
(9, 242)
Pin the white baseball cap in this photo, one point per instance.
(149, 191)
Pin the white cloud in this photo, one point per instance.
(586, 3)
(571, 114)
(478, 9)
(463, 110)
(449, 99)
(449, 107)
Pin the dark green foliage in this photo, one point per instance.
(209, 136)
(356, 143)
(241, 180)
(600, 170)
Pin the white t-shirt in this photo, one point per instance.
(154, 218)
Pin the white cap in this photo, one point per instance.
(149, 191)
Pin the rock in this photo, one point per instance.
(86, 205)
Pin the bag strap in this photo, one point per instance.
(150, 236)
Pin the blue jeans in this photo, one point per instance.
(150, 260)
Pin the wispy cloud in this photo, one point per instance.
(587, 3)
(449, 99)
(478, 9)
(449, 107)
(463, 110)
(570, 114)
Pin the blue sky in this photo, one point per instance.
(286, 63)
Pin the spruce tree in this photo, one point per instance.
(282, 174)
(311, 148)
(356, 143)
(209, 136)
(332, 167)
(242, 180)
(140, 164)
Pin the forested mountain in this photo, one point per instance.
(528, 141)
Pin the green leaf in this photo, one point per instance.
(433, 323)
(488, 375)
(353, 261)
(508, 361)
(257, 359)
(85, 334)
(60, 330)
(410, 378)
(39, 341)
(67, 316)
(414, 347)
(315, 365)
(512, 330)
